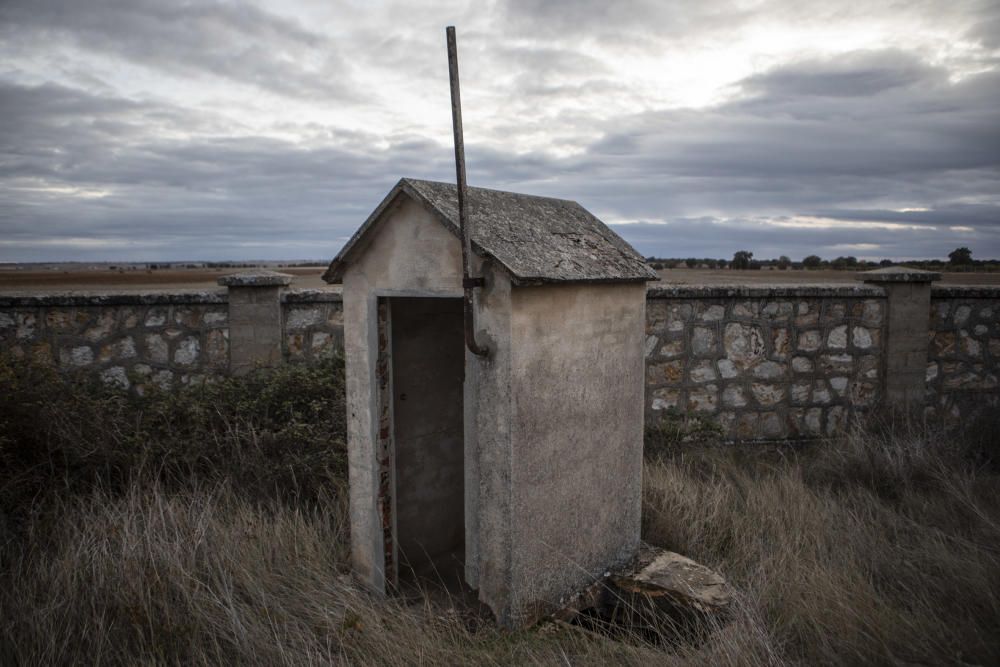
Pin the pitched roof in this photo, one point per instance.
(537, 239)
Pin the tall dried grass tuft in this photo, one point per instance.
(210, 527)
(879, 548)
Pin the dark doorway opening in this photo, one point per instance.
(428, 369)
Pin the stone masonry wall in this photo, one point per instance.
(131, 340)
(135, 340)
(314, 324)
(964, 355)
(765, 362)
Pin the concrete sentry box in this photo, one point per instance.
(517, 474)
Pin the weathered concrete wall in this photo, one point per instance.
(964, 357)
(515, 474)
(488, 443)
(765, 362)
(576, 436)
(413, 255)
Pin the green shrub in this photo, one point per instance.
(272, 433)
(675, 429)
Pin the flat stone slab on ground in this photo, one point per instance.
(659, 591)
(658, 573)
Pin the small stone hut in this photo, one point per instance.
(516, 474)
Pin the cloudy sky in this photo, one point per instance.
(154, 130)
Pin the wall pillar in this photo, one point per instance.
(908, 293)
(255, 326)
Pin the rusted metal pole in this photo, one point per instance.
(468, 282)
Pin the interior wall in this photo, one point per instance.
(428, 358)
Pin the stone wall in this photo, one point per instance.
(134, 340)
(964, 356)
(314, 324)
(765, 362)
(131, 340)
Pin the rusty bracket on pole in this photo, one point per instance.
(469, 283)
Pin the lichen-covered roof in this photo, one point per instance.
(537, 239)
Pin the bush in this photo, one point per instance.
(675, 429)
(272, 433)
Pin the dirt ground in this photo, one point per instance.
(194, 279)
(164, 280)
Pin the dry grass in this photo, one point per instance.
(208, 577)
(880, 549)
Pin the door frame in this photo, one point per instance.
(384, 423)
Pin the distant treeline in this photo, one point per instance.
(959, 259)
(167, 266)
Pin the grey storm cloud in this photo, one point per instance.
(986, 29)
(782, 148)
(623, 21)
(968, 215)
(205, 198)
(630, 23)
(690, 238)
(855, 75)
(887, 150)
(225, 40)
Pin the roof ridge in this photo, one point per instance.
(537, 239)
(410, 179)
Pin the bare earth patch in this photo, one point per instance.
(35, 281)
(160, 280)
